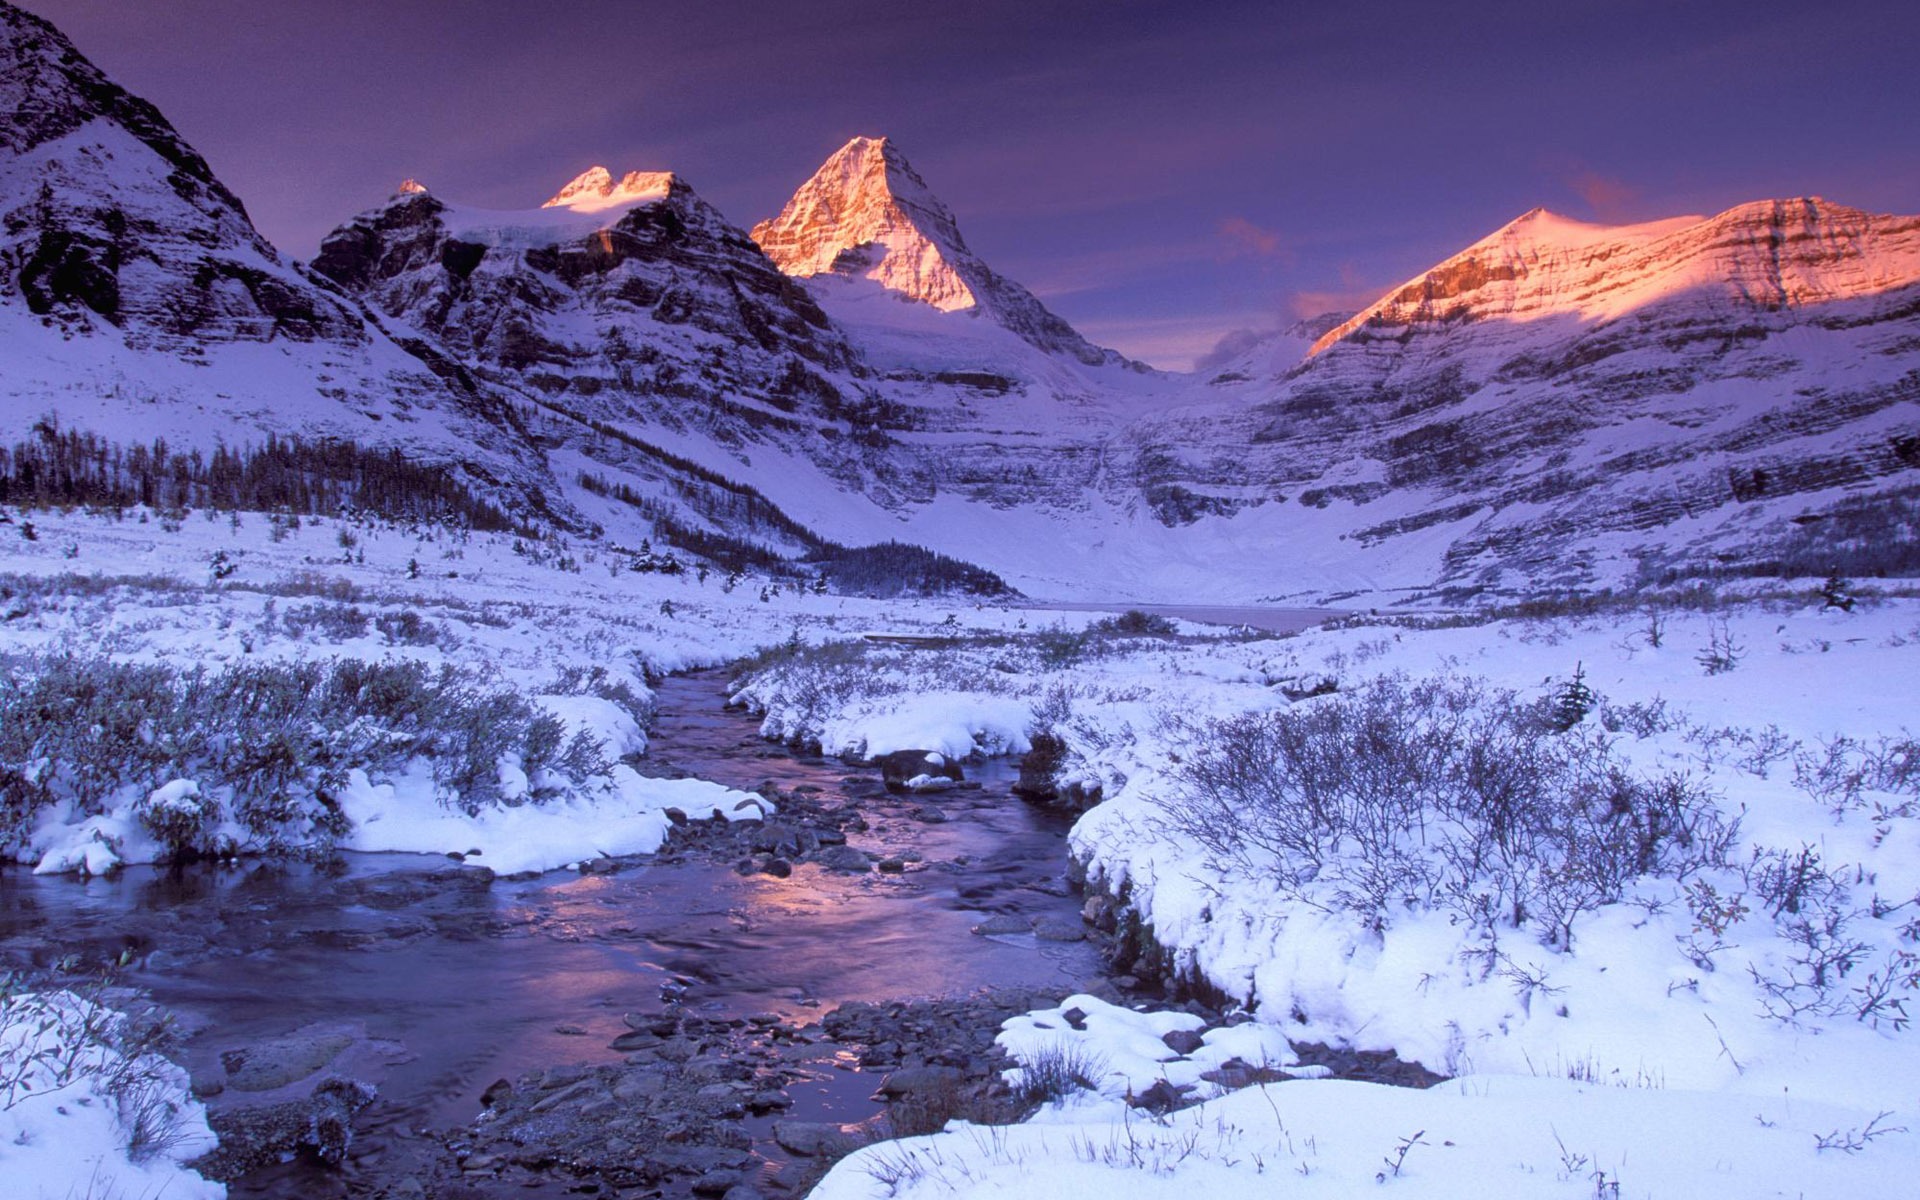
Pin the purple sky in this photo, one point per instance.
(1162, 174)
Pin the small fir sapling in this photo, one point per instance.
(1837, 592)
(1572, 702)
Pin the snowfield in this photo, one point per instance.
(563, 627)
(1730, 1017)
(1739, 1031)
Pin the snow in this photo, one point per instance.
(65, 1128)
(1658, 1054)
(1125, 1052)
(594, 190)
(520, 229)
(1596, 273)
(629, 815)
(140, 591)
(1673, 1041)
(1471, 1138)
(1610, 1045)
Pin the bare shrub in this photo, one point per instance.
(596, 680)
(1722, 653)
(54, 1035)
(1441, 791)
(274, 743)
(326, 622)
(1056, 1071)
(406, 628)
(1135, 623)
(1641, 718)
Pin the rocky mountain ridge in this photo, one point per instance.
(1560, 393)
(1764, 257)
(1559, 404)
(137, 299)
(867, 214)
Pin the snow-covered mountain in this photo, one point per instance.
(1559, 403)
(866, 214)
(635, 316)
(607, 281)
(1562, 393)
(138, 301)
(648, 332)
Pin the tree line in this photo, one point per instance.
(55, 468)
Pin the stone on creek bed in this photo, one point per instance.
(259, 1135)
(816, 1139)
(841, 858)
(902, 770)
(276, 1062)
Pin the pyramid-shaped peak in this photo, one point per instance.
(595, 189)
(866, 212)
(410, 187)
(875, 167)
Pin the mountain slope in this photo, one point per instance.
(137, 300)
(1559, 404)
(867, 214)
(1560, 399)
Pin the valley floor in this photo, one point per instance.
(1673, 959)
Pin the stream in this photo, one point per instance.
(433, 981)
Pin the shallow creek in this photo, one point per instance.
(443, 983)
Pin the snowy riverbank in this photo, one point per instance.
(1753, 988)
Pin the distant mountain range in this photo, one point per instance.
(1560, 404)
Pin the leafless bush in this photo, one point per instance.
(1057, 1071)
(1641, 718)
(1721, 653)
(326, 622)
(1852, 1141)
(56, 1034)
(1787, 882)
(272, 742)
(596, 680)
(406, 628)
(1840, 770)
(1441, 791)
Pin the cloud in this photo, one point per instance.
(1231, 345)
(1354, 293)
(1172, 343)
(1608, 199)
(1245, 239)
(1305, 305)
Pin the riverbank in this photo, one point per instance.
(432, 983)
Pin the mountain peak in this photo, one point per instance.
(49, 91)
(1763, 255)
(867, 212)
(596, 189)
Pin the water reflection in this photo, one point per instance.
(456, 983)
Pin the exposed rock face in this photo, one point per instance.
(138, 301)
(636, 312)
(1770, 256)
(603, 280)
(108, 218)
(1559, 393)
(626, 304)
(866, 213)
